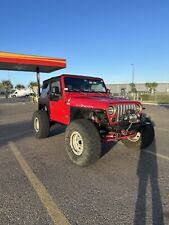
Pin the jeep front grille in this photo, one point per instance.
(122, 109)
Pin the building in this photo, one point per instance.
(125, 88)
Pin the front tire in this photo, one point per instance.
(142, 138)
(41, 124)
(82, 142)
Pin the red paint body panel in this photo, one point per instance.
(60, 110)
(95, 102)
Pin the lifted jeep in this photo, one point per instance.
(91, 114)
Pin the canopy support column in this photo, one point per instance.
(38, 80)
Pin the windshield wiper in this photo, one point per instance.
(102, 93)
(77, 90)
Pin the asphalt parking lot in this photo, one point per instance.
(39, 184)
(13, 100)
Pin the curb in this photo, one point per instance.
(153, 103)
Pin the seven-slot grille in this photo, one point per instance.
(121, 109)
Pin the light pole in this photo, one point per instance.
(133, 71)
(8, 75)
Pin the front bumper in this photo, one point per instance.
(124, 130)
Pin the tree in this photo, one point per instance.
(33, 84)
(133, 87)
(7, 84)
(147, 86)
(151, 87)
(1, 85)
(19, 86)
(154, 86)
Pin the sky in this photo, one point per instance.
(97, 37)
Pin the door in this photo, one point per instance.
(59, 110)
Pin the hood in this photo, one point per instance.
(97, 102)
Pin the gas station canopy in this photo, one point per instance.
(22, 62)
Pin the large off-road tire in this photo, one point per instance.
(143, 138)
(41, 124)
(82, 142)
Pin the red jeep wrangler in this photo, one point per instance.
(91, 114)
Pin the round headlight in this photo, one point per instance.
(138, 108)
(111, 110)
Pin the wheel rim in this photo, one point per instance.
(36, 124)
(135, 138)
(76, 143)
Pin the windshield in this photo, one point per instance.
(84, 85)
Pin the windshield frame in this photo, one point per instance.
(88, 79)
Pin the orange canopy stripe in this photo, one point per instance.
(23, 62)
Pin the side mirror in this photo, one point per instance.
(108, 91)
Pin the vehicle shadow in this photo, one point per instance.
(164, 106)
(107, 146)
(147, 171)
(15, 131)
(20, 130)
(57, 129)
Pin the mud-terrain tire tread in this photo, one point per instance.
(147, 137)
(91, 140)
(44, 126)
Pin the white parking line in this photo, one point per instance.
(46, 199)
(158, 155)
(152, 153)
(13, 103)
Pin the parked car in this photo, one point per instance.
(21, 93)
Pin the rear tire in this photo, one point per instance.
(41, 124)
(82, 142)
(143, 138)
